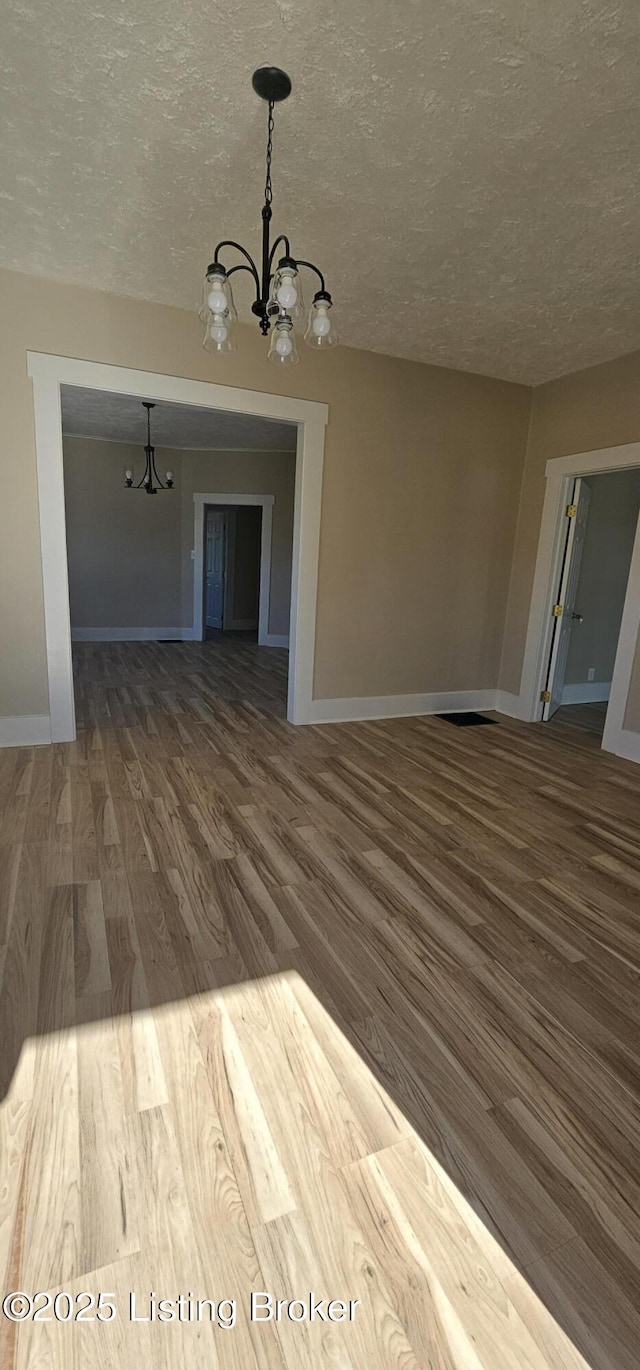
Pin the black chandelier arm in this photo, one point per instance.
(154, 474)
(251, 271)
(282, 239)
(317, 270)
(151, 474)
(146, 481)
(251, 266)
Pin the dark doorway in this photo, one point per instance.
(231, 591)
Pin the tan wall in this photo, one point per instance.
(129, 553)
(422, 474)
(243, 473)
(587, 410)
(123, 546)
(604, 572)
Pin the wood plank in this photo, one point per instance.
(351, 1008)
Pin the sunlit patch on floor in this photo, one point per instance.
(267, 1156)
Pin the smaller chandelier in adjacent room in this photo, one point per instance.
(278, 302)
(150, 473)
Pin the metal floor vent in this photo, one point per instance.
(469, 720)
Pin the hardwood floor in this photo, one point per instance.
(351, 1010)
(589, 716)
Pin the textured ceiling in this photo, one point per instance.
(121, 418)
(465, 171)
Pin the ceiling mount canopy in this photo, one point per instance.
(278, 303)
(150, 473)
(271, 84)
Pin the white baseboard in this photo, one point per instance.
(511, 705)
(130, 634)
(32, 730)
(400, 706)
(275, 640)
(161, 634)
(29, 730)
(587, 692)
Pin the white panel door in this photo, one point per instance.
(567, 597)
(214, 568)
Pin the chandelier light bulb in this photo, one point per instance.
(283, 348)
(128, 475)
(287, 295)
(320, 328)
(217, 296)
(219, 331)
(286, 290)
(321, 324)
(217, 300)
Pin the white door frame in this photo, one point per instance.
(266, 502)
(48, 373)
(568, 583)
(561, 473)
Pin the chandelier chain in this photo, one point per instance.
(268, 190)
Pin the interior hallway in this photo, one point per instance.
(351, 1009)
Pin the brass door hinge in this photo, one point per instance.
(545, 696)
(557, 610)
(572, 510)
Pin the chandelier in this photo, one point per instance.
(150, 473)
(278, 302)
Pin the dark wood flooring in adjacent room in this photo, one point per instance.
(591, 717)
(352, 1009)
